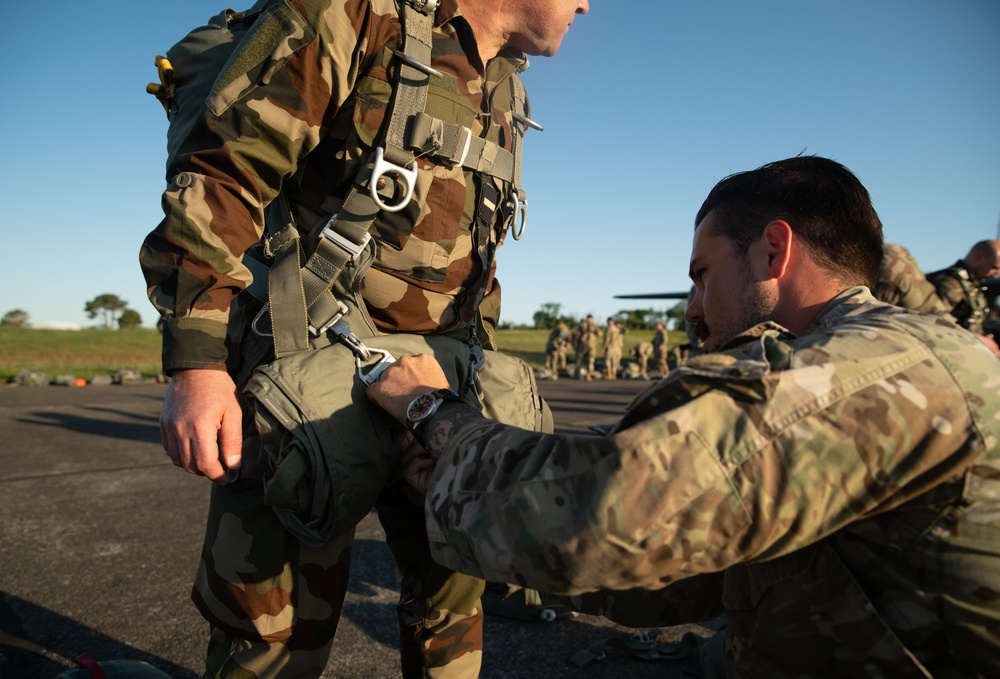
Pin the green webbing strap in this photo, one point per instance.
(411, 88)
(344, 237)
(520, 104)
(286, 298)
(456, 145)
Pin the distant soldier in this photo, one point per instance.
(586, 348)
(661, 345)
(641, 352)
(611, 349)
(555, 349)
(960, 287)
(901, 282)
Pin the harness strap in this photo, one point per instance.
(306, 303)
(286, 296)
(302, 300)
(457, 147)
(520, 107)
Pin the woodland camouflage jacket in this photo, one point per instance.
(304, 116)
(837, 495)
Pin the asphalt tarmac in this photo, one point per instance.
(100, 535)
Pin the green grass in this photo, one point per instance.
(82, 353)
(85, 353)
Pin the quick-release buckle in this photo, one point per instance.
(371, 376)
(518, 217)
(336, 318)
(396, 174)
(338, 326)
(353, 249)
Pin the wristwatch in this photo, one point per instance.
(423, 407)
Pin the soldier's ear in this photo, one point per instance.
(776, 248)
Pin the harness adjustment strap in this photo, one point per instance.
(456, 146)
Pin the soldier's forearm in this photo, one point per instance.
(449, 418)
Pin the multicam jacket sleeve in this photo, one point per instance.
(901, 282)
(739, 456)
(289, 112)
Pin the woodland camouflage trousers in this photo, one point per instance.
(273, 603)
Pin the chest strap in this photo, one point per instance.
(300, 299)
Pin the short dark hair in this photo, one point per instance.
(826, 206)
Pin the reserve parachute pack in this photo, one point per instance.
(326, 452)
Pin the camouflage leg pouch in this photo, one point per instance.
(327, 451)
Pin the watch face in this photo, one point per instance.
(419, 408)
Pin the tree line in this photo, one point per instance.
(110, 310)
(549, 315)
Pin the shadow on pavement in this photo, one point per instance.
(47, 653)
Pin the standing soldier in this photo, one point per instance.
(303, 119)
(642, 351)
(586, 348)
(661, 344)
(960, 287)
(555, 349)
(611, 349)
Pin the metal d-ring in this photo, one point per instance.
(383, 168)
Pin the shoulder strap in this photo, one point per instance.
(343, 238)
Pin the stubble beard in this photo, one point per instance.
(756, 307)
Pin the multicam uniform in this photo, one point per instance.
(901, 282)
(661, 344)
(642, 351)
(962, 294)
(555, 349)
(836, 495)
(586, 348)
(298, 111)
(612, 350)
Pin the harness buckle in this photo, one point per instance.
(353, 249)
(425, 6)
(518, 217)
(396, 174)
(371, 376)
(336, 318)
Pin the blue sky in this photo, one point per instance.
(647, 105)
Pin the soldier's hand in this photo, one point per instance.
(404, 380)
(201, 423)
(415, 464)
